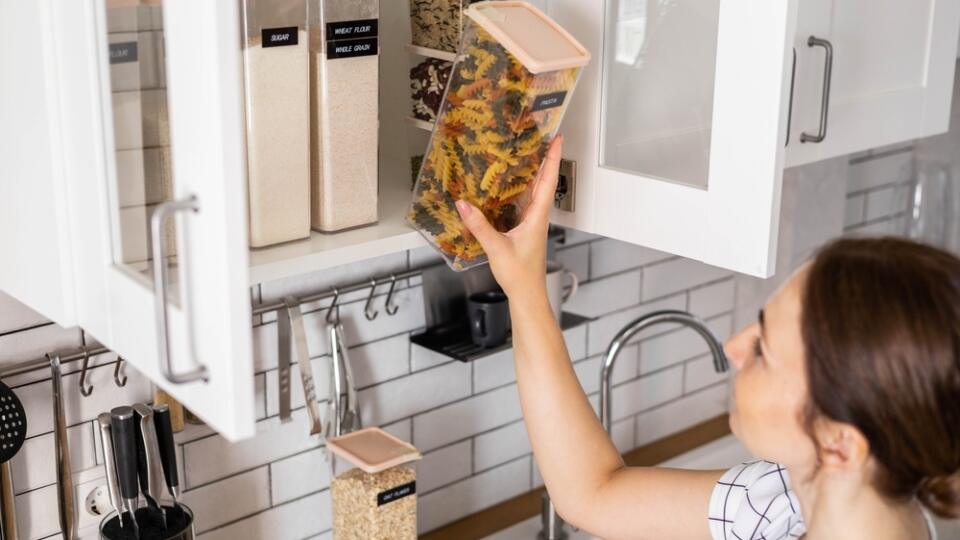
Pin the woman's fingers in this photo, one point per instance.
(546, 187)
(477, 223)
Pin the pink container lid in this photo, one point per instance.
(535, 39)
(373, 450)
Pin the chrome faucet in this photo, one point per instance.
(552, 524)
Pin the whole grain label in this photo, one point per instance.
(351, 48)
(122, 53)
(364, 28)
(549, 101)
(399, 492)
(279, 37)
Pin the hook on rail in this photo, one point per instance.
(390, 307)
(333, 306)
(368, 310)
(85, 390)
(121, 382)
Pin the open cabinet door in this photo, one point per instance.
(678, 126)
(154, 127)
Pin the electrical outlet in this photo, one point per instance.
(91, 499)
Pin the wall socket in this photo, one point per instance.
(91, 499)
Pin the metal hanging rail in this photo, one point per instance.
(44, 363)
(334, 292)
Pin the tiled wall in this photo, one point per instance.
(464, 417)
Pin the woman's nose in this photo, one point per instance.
(737, 348)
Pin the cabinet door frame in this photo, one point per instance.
(733, 222)
(883, 117)
(115, 304)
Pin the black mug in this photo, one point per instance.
(489, 316)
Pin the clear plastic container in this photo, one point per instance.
(512, 81)
(276, 77)
(436, 24)
(374, 487)
(344, 113)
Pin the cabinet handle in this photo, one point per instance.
(825, 100)
(157, 221)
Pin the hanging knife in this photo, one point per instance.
(168, 452)
(154, 487)
(109, 465)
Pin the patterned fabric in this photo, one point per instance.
(753, 501)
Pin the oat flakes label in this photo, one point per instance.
(279, 37)
(122, 53)
(396, 493)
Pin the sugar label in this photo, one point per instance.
(549, 101)
(279, 37)
(352, 48)
(398, 492)
(121, 53)
(352, 29)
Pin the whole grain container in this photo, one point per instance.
(437, 24)
(374, 486)
(512, 81)
(276, 77)
(344, 112)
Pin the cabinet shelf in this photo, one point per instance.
(389, 235)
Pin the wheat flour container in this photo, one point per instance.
(374, 487)
(344, 113)
(277, 91)
(513, 78)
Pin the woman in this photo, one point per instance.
(848, 387)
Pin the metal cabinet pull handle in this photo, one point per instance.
(157, 221)
(825, 100)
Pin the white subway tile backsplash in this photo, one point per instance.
(473, 494)
(35, 342)
(231, 499)
(677, 275)
(37, 514)
(444, 466)
(299, 475)
(15, 316)
(420, 391)
(662, 351)
(357, 329)
(576, 259)
(873, 172)
(681, 414)
(302, 518)
(608, 256)
(854, 213)
(422, 358)
(601, 331)
(492, 371)
(500, 446)
(380, 361)
(464, 418)
(647, 392)
(274, 291)
(606, 295)
(886, 202)
(700, 373)
(622, 434)
(713, 299)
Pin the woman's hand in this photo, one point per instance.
(518, 257)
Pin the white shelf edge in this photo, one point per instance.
(432, 53)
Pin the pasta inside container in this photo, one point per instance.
(374, 486)
(510, 85)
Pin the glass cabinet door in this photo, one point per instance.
(160, 210)
(681, 124)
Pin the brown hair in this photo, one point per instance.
(881, 328)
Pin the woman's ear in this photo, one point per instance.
(842, 446)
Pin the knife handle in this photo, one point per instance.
(123, 423)
(168, 453)
(109, 463)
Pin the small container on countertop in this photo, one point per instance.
(374, 486)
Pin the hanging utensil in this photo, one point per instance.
(13, 431)
(68, 519)
(123, 423)
(168, 452)
(333, 427)
(109, 464)
(292, 312)
(350, 420)
(284, 361)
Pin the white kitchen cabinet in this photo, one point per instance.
(891, 74)
(678, 125)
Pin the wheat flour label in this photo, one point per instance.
(279, 37)
(364, 28)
